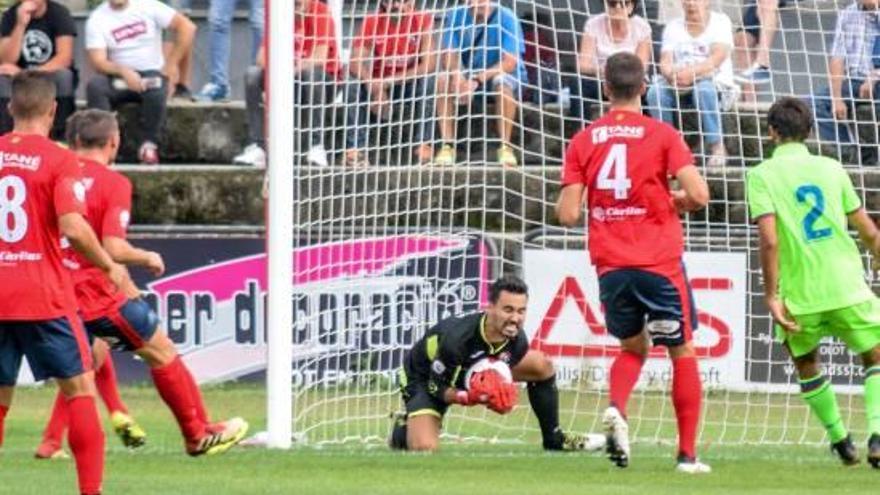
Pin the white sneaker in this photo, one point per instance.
(317, 155)
(616, 437)
(692, 467)
(252, 155)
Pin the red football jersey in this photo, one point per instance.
(316, 28)
(396, 45)
(39, 182)
(108, 202)
(625, 161)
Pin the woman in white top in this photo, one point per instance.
(694, 62)
(615, 31)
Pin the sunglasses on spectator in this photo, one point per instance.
(619, 3)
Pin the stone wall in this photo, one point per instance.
(485, 198)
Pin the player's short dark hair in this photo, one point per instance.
(91, 128)
(70, 129)
(507, 283)
(33, 94)
(791, 118)
(624, 76)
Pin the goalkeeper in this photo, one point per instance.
(433, 373)
(814, 281)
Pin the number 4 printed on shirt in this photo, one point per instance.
(613, 174)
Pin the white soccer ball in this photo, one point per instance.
(489, 364)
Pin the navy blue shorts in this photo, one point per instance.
(637, 300)
(127, 328)
(56, 348)
(751, 22)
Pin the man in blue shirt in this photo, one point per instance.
(482, 47)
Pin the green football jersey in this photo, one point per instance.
(820, 268)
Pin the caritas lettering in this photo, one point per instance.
(611, 213)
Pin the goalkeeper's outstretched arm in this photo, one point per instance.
(123, 252)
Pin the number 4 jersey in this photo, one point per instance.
(39, 182)
(820, 268)
(625, 160)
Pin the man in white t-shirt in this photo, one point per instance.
(124, 43)
(694, 66)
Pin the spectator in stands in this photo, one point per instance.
(852, 71)
(181, 90)
(694, 67)
(392, 60)
(124, 43)
(542, 61)
(753, 41)
(481, 52)
(219, 44)
(38, 34)
(617, 30)
(315, 71)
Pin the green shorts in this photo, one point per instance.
(858, 326)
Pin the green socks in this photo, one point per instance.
(817, 393)
(872, 398)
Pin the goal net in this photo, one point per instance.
(385, 246)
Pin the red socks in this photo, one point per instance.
(105, 381)
(174, 388)
(3, 411)
(196, 394)
(624, 374)
(54, 432)
(686, 397)
(86, 439)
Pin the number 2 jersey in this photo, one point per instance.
(820, 268)
(625, 161)
(108, 202)
(39, 182)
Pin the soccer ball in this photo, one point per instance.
(485, 364)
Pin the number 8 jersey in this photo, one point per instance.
(39, 182)
(820, 268)
(625, 160)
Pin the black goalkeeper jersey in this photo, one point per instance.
(441, 358)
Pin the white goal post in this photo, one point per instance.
(382, 252)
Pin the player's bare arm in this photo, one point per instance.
(868, 233)
(570, 205)
(694, 192)
(124, 252)
(81, 236)
(769, 247)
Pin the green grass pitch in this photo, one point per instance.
(162, 468)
